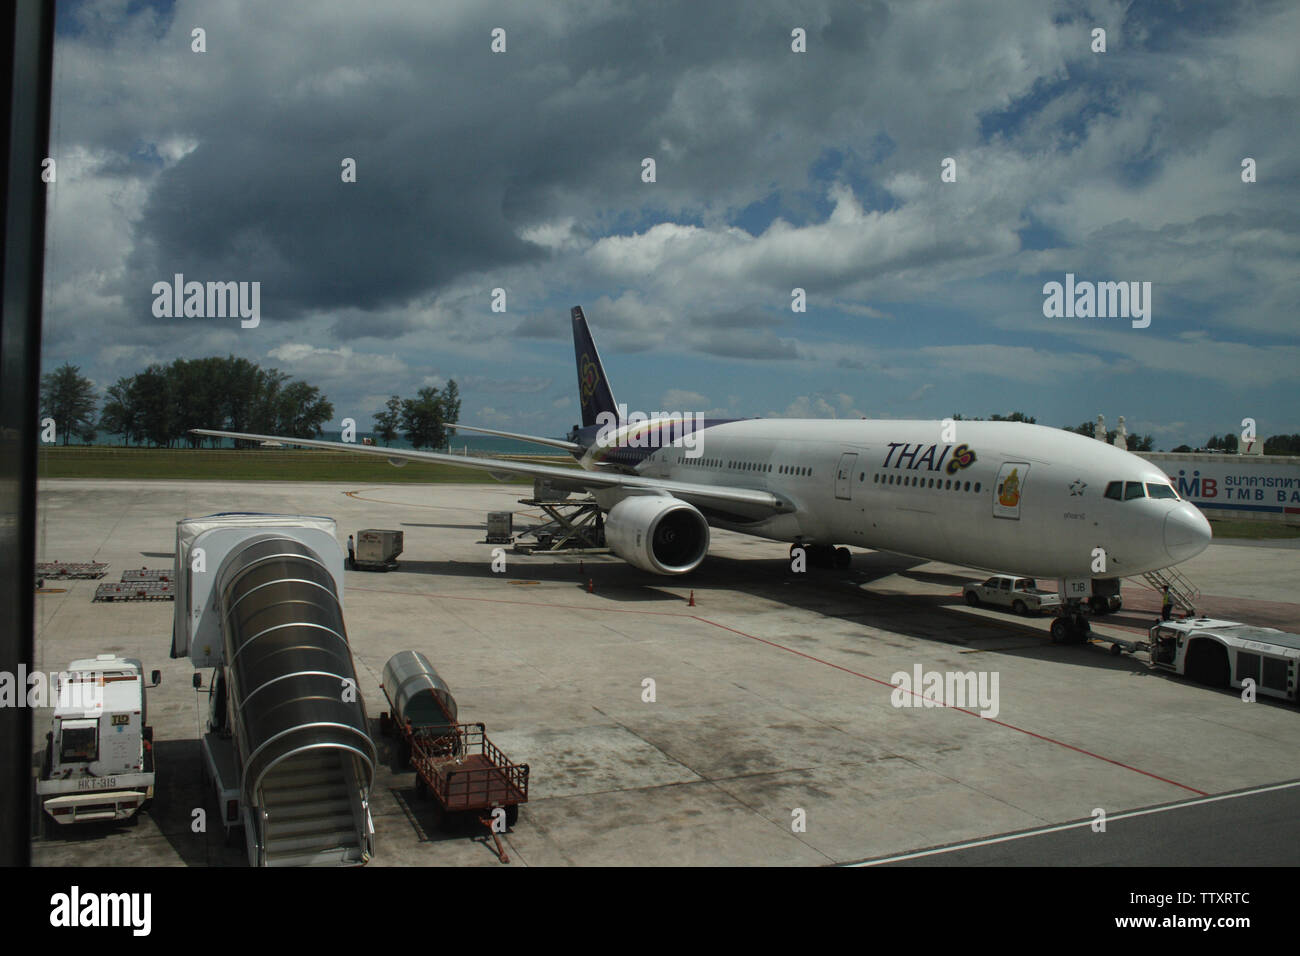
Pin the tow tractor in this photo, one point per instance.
(1225, 654)
(98, 762)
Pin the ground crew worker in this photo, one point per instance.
(352, 559)
(1166, 605)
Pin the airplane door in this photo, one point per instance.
(844, 475)
(1010, 489)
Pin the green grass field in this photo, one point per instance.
(254, 464)
(1255, 530)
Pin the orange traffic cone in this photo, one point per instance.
(590, 587)
(691, 603)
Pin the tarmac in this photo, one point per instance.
(772, 737)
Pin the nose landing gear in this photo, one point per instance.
(1071, 625)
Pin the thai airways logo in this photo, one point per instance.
(924, 457)
(589, 377)
(962, 457)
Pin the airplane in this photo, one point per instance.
(994, 495)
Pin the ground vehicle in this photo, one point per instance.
(287, 749)
(455, 764)
(1022, 595)
(98, 762)
(467, 774)
(1227, 653)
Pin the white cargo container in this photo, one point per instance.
(377, 549)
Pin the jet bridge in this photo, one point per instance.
(287, 746)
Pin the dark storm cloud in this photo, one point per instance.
(458, 149)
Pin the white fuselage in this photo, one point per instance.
(1004, 496)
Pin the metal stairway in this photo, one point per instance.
(1184, 593)
(310, 816)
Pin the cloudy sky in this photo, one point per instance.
(821, 170)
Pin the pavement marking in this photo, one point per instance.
(1043, 831)
(972, 713)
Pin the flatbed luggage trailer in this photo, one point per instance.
(455, 763)
(465, 773)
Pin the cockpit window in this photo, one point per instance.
(1115, 490)
(1133, 489)
(1161, 491)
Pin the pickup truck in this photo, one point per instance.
(1022, 595)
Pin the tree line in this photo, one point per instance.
(422, 420)
(1276, 445)
(1087, 429)
(159, 405)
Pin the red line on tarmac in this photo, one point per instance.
(1000, 723)
(817, 660)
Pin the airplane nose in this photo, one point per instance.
(1187, 533)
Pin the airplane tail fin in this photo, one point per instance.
(594, 393)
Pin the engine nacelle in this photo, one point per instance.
(657, 533)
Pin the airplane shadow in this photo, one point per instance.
(462, 527)
(843, 594)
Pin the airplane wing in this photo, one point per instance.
(738, 502)
(552, 442)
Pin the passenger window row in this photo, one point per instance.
(918, 481)
(737, 465)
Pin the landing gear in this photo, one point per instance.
(1071, 627)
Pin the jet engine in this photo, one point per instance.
(657, 533)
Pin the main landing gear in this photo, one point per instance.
(824, 555)
(1071, 625)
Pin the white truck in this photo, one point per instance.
(1021, 595)
(98, 761)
